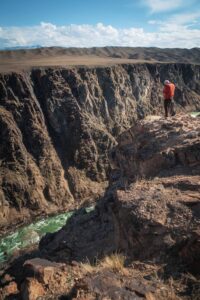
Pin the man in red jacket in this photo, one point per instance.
(168, 93)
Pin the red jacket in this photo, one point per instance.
(168, 91)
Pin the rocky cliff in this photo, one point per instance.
(58, 125)
(149, 218)
(151, 206)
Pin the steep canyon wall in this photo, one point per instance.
(58, 126)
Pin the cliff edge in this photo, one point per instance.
(149, 218)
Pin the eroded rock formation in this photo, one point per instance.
(150, 214)
(58, 125)
(154, 213)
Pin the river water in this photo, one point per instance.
(32, 233)
(195, 114)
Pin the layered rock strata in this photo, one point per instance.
(150, 215)
(58, 126)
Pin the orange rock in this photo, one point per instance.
(10, 289)
(31, 289)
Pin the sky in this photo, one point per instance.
(90, 23)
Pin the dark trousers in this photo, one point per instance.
(167, 106)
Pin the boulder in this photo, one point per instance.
(31, 289)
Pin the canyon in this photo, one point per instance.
(141, 241)
(74, 136)
(58, 126)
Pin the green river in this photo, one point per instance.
(31, 234)
(195, 114)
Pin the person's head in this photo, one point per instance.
(166, 82)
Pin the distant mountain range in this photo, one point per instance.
(151, 54)
(21, 47)
(18, 59)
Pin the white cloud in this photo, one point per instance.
(186, 18)
(163, 5)
(170, 34)
(177, 22)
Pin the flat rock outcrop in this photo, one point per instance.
(158, 147)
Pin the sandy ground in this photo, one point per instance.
(16, 64)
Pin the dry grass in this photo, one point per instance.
(141, 182)
(114, 262)
(16, 64)
(172, 294)
(88, 268)
(149, 296)
(164, 290)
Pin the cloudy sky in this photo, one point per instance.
(88, 23)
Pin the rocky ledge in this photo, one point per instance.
(149, 218)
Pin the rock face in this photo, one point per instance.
(58, 125)
(156, 147)
(155, 214)
(150, 215)
(32, 178)
(40, 273)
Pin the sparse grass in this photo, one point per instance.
(165, 290)
(172, 295)
(141, 181)
(114, 262)
(149, 296)
(88, 268)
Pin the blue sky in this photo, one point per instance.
(86, 23)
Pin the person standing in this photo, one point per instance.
(168, 93)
